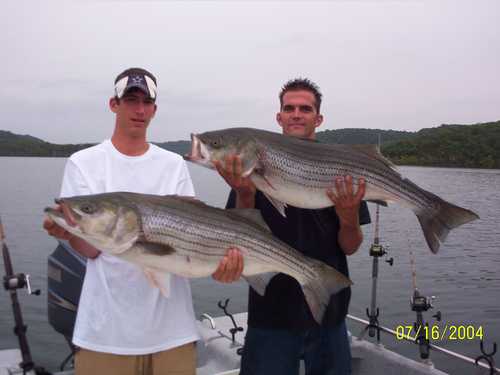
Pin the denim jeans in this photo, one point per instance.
(325, 351)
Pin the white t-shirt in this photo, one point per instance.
(119, 311)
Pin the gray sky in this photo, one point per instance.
(403, 65)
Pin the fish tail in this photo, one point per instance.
(438, 220)
(319, 289)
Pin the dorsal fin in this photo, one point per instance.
(373, 151)
(250, 214)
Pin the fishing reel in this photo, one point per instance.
(421, 303)
(19, 281)
(377, 250)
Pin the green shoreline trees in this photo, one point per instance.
(467, 146)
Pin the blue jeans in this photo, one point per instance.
(325, 351)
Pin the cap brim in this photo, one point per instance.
(131, 87)
(143, 83)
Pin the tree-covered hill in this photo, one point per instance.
(25, 145)
(9, 136)
(470, 146)
(12, 144)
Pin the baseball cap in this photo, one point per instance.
(135, 78)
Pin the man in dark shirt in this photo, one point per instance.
(281, 329)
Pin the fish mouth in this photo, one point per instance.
(64, 213)
(195, 153)
(199, 153)
(53, 213)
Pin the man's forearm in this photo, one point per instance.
(350, 239)
(84, 248)
(246, 200)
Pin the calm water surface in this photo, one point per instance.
(464, 275)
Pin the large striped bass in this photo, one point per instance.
(294, 171)
(186, 237)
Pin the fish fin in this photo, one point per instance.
(437, 221)
(380, 202)
(261, 171)
(160, 280)
(259, 282)
(318, 291)
(268, 182)
(373, 151)
(280, 206)
(249, 169)
(252, 215)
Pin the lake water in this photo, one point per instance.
(464, 275)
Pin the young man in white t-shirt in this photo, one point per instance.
(124, 325)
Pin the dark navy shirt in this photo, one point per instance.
(313, 233)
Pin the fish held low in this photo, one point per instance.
(183, 236)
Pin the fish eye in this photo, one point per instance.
(87, 208)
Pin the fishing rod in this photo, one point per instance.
(11, 283)
(376, 251)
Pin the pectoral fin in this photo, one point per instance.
(249, 167)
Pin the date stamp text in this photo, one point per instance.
(436, 332)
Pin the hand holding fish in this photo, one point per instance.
(232, 172)
(347, 205)
(59, 232)
(55, 230)
(230, 267)
(346, 201)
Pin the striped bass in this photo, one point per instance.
(186, 237)
(294, 171)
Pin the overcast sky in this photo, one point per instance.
(403, 65)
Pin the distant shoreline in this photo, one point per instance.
(447, 146)
(398, 165)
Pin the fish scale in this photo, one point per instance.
(160, 221)
(298, 164)
(224, 233)
(322, 171)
